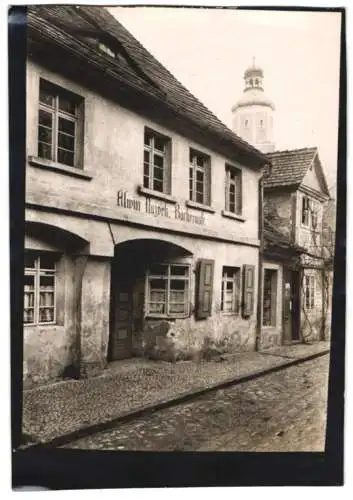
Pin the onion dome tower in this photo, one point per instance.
(253, 113)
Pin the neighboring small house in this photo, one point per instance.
(280, 257)
(142, 211)
(295, 192)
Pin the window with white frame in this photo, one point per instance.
(59, 125)
(200, 178)
(168, 290)
(309, 291)
(39, 288)
(230, 297)
(157, 164)
(233, 202)
(269, 306)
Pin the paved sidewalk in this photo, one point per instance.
(133, 385)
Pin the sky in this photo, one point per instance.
(208, 50)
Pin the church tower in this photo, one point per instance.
(253, 113)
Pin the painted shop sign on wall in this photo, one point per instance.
(158, 209)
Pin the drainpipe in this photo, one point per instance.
(260, 264)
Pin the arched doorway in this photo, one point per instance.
(129, 287)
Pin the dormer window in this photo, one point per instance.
(107, 50)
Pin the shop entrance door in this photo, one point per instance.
(291, 304)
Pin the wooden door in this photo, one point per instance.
(121, 345)
(290, 306)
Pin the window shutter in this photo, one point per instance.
(207, 196)
(238, 194)
(226, 204)
(248, 290)
(205, 288)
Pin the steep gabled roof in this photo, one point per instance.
(289, 168)
(74, 27)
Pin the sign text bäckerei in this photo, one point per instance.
(158, 208)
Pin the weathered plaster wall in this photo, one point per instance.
(87, 208)
(113, 155)
(93, 329)
(188, 337)
(49, 350)
(278, 209)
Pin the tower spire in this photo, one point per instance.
(253, 113)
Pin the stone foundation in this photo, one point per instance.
(190, 339)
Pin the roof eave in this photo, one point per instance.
(242, 148)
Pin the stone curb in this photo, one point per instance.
(160, 405)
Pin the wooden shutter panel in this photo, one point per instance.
(248, 290)
(238, 194)
(204, 288)
(208, 181)
(226, 204)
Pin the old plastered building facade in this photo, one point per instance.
(142, 208)
(296, 268)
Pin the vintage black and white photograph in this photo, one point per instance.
(180, 227)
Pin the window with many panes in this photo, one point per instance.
(156, 163)
(269, 306)
(168, 290)
(233, 202)
(230, 296)
(200, 178)
(39, 289)
(59, 125)
(309, 291)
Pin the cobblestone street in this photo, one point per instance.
(282, 411)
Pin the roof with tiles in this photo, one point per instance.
(77, 28)
(289, 167)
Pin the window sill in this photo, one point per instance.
(58, 167)
(230, 313)
(40, 324)
(166, 317)
(156, 194)
(231, 215)
(199, 206)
